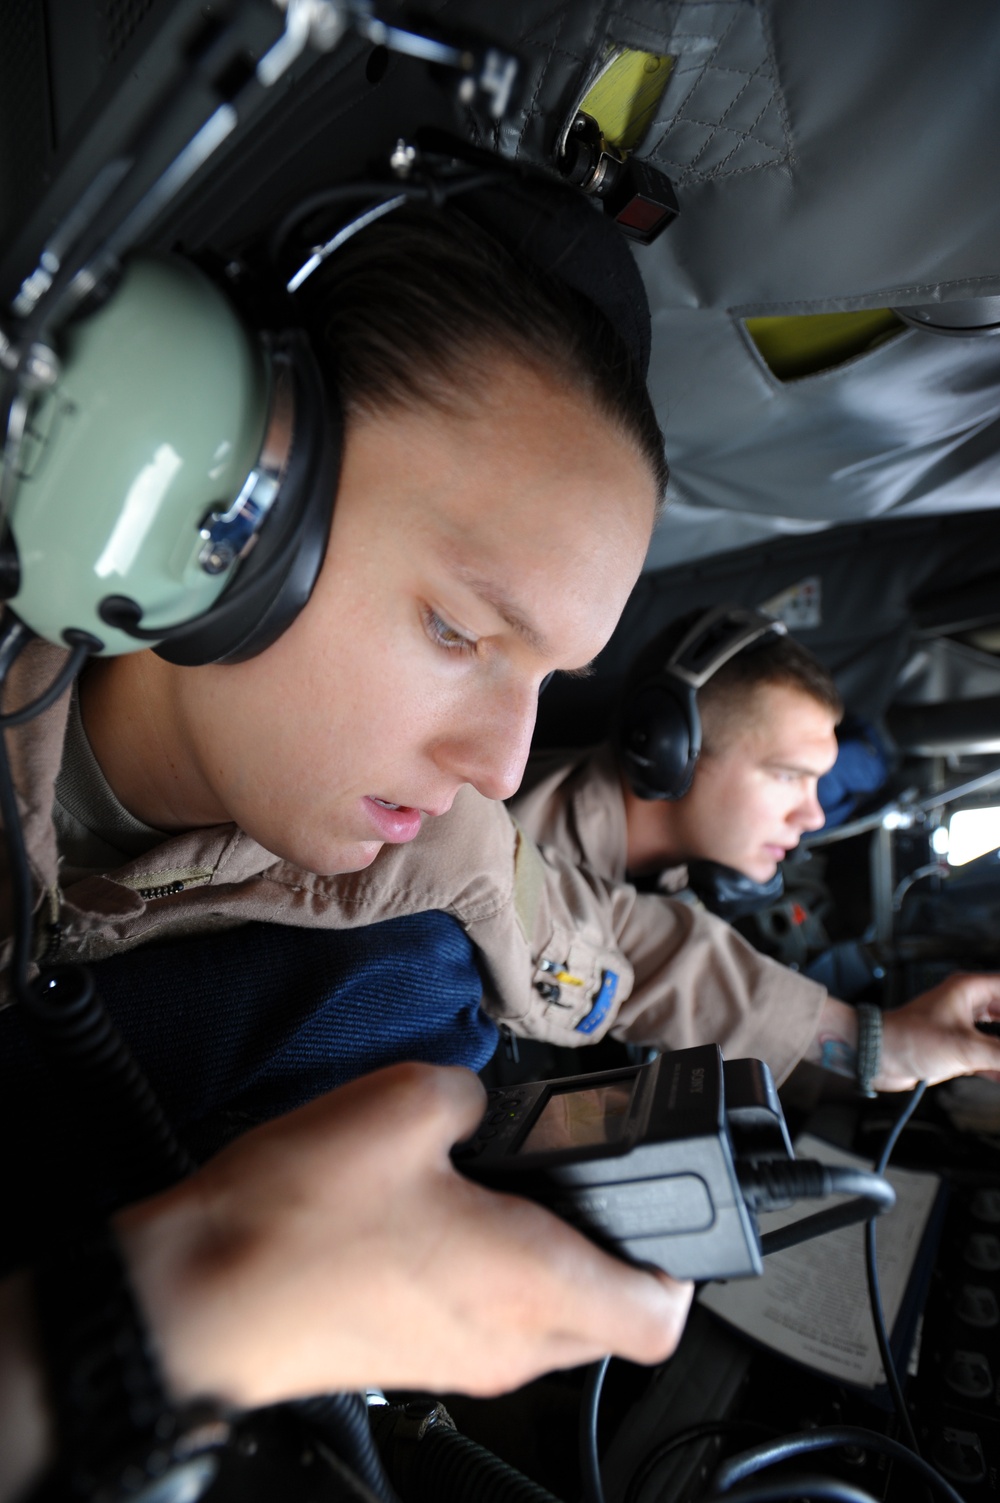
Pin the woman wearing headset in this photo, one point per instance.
(495, 502)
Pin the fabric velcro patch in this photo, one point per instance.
(602, 1004)
(529, 883)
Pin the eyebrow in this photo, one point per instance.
(505, 606)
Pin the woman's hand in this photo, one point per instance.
(338, 1247)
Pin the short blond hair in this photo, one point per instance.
(726, 702)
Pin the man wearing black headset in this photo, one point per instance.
(725, 728)
(766, 717)
(769, 716)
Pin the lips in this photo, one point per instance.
(394, 823)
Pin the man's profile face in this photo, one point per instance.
(754, 798)
(472, 552)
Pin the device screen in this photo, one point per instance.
(579, 1118)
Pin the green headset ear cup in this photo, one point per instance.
(273, 584)
(158, 415)
(157, 421)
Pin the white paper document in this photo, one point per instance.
(812, 1302)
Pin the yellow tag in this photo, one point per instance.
(626, 95)
(804, 344)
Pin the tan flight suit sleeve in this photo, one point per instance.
(683, 976)
(691, 978)
(698, 981)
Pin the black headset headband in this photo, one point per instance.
(717, 635)
(534, 214)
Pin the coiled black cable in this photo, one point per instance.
(431, 1462)
(454, 1469)
(341, 1419)
(61, 1011)
(73, 1032)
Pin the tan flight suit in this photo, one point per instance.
(713, 987)
(553, 939)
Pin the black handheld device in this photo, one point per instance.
(646, 1160)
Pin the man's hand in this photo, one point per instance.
(338, 1247)
(935, 1037)
(932, 1038)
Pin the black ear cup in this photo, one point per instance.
(659, 732)
(659, 727)
(276, 580)
(659, 739)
